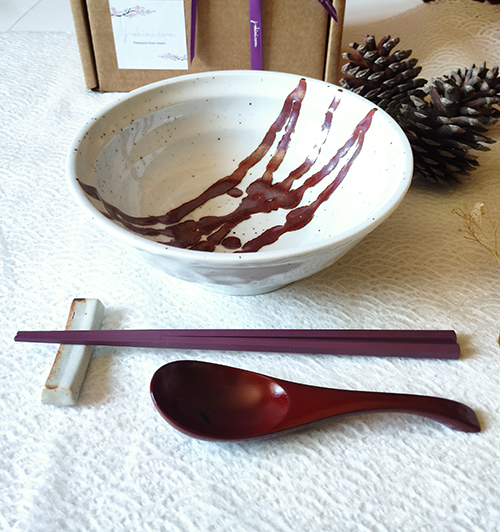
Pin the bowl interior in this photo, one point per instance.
(237, 162)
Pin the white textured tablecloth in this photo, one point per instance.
(110, 463)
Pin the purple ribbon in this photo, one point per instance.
(192, 44)
(255, 29)
(328, 5)
(255, 34)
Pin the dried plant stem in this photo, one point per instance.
(474, 221)
(479, 227)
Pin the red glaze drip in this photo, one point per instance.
(262, 196)
(231, 242)
(235, 192)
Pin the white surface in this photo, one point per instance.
(366, 11)
(111, 462)
(11, 11)
(162, 146)
(36, 15)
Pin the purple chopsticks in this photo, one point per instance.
(381, 343)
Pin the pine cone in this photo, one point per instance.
(451, 121)
(384, 77)
(443, 120)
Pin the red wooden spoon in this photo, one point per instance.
(214, 402)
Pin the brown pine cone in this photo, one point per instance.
(451, 121)
(386, 77)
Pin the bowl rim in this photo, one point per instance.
(228, 259)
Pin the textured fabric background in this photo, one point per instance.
(111, 463)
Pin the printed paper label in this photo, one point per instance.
(150, 35)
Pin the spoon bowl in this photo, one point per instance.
(215, 402)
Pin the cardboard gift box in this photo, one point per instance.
(120, 52)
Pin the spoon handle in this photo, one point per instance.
(327, 403)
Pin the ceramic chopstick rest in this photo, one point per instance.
(65, 379)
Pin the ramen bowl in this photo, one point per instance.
(240, 182)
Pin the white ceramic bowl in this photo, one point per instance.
(208, 142)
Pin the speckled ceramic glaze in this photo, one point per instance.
(241, 182)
